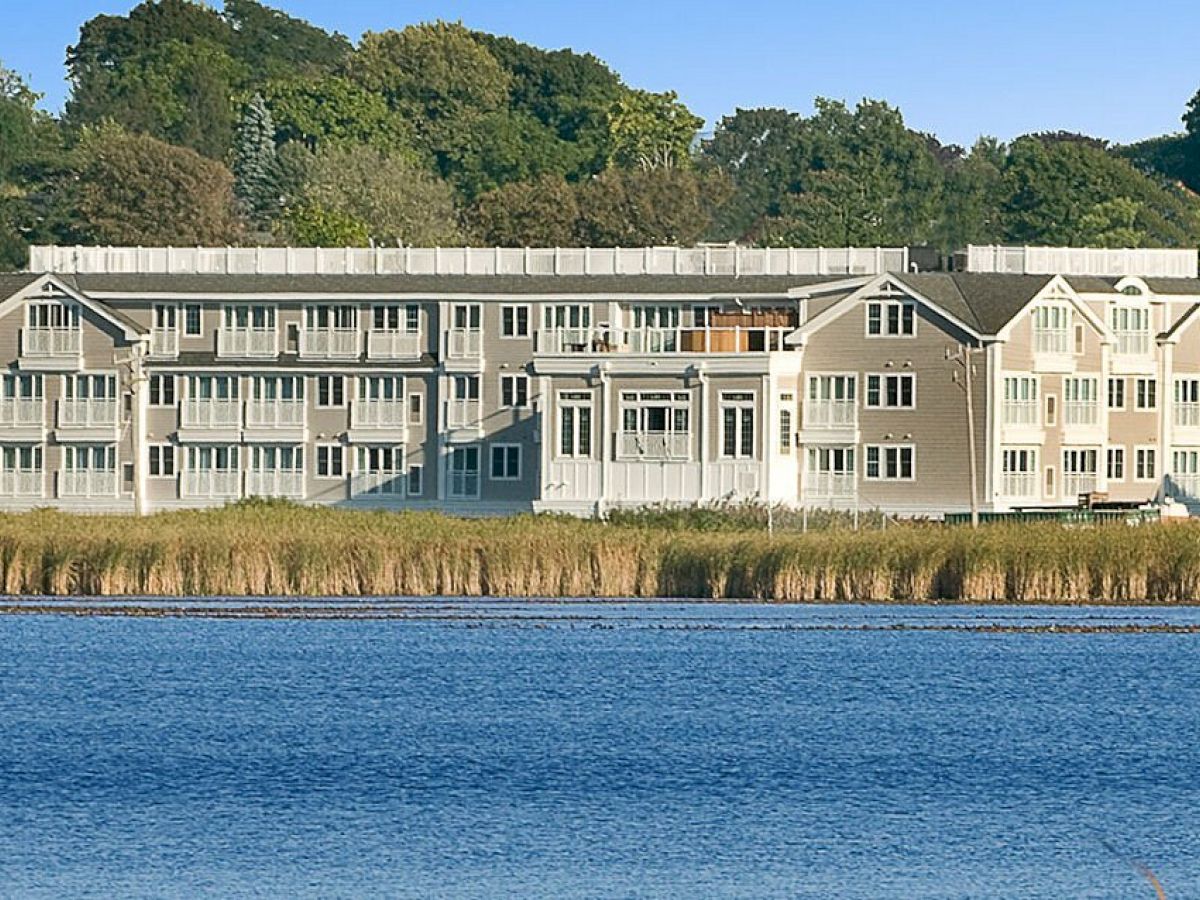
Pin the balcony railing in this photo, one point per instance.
(829, 485)
(393, 345)
(1020, 412)
(330, 343)
(275, 483)
(210, 484)
(21, 484)
(653, 341)
(1187, 415)
(1133, 343)
(1075, 484)
(1185, 485)
(1056, 341)
(51, 342)
(1080, 412)
(210, 413)
(275, 413)
(391, 484)
(1019, 484)
(463, 414)
(248, 342)
(22, 411)
(87, 483)
(91, 413)
(378, 414)
(655, 445)
(830, 414)
(464, 343)
(164, 342)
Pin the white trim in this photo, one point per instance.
(506, 446)
(1138, 451)
(318, 446)
(28, 292)
(882, 462)
(883, 406)
(516, 336)
(1057, 289)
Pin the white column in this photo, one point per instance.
(705, 462)
(994, 354)
(1166, 410)
(606, 433)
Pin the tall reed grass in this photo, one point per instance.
(258, 549)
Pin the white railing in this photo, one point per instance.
(1082, 261)
(1187, 415)
(90, 413)
(164, 342)
(830, 413)
(1185, 485)
(829, 485)
(330, 343)
(274, 483)
(22, 411)
(210, 483)
(389, 414)
(734, 340)
(464, 485)
(1081, 412)
(1020, 412)
(655, 445)
(463, 414)
(98, 483)
(210, 413)
(247, 342)
(1133, 343)
(464, 343)
(275, 413)
(470, 260)
(1056, 341)
(1076, 484)
(393, 344)
(22, 484)
(51, 341)
(390, 484)
(1019, 484)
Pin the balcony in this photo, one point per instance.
(1187, 485)
(22, 484)
(657, 445)
(1075, 484)
(464, 343)
(1052, 342)
(210, 484)
(89, 413)
(1133, 343)
(655, 341)
(22, 416)
(210, 419)
(164, 343)
(87, 483)
(393, 345)
(47, 347)
(248, 343)
(1021, 412)
(377, 484)
(275, 483)
(1081, 413)
(371, 419)
(330, 343)
(830, 485)
(464, 414)
(1187, 415)
(830, 414)
(1019, 485)
(275, 413)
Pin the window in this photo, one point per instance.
(1020, 400)
(466, 387)
(331, 391)
(212, 387)
(891, 391)
(890, 463)
(1116, 463)
(381, 388)
(514, 321)
(1187, 402)
(21, 458)
(1051, 410)
(1116, 393)
(162, 460)
(826, 461)
(1019, 472)
(785, 432)
(326, 317)
(1081, 401)
(212, 459)
(84, 458)
(891, 318)
(270, 458)
(1079, 471)
(331, 461)
(258, 317)
(737, 425)
(1146, 394)
(380, 470)
(90, 387)
(1132, 327)
(466, 316)
(506, 462)
(415, 408)
(191, 320)
(571, 315)
(162, 390)
(1143, 464)
(514, 390)
(1080, 344)
(52, 314)
(163, 317)
(1051, 327)
(464, 473)
(22, 386)
(396, 318)
(416, 481)
(575, 424)
(655, 424)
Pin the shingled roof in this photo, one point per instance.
(11, 282)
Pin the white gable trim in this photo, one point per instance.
(38, 285)
(1057, 288)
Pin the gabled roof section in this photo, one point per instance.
(1174, 286)
(32, 283)
(14, 282)
(1172, 334)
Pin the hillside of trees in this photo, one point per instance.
(188, 125)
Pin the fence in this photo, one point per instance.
(1103, 262)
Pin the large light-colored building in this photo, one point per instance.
(491, 381)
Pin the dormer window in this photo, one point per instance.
(1051, 329)
(891, 318)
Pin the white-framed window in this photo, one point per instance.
(1132, 327)
(891, 318)
(1144, 464)
(897, 391)
(1115, 459)
(1145, 394)
(381, 388)
(514, 390)
(1081, 400)
(464, 473)
(1187, 402)
(380, 469)
(193, 323)
(1020, 472)
(164, 317)
(213, 387)
(574, 424)
(1079, 470)
(277, 387)
(396, 318)
(505, 462)
(1116, 393)
(416, 408)
(645, 315)
(331, 461)
(90, 387)
(206, 458)
(1051, 410)
(416, 481)
(1020, 400)
(162, 460)
(466, 316)
(23, 386)
(514, 320)
(837, 461)
(831, 402)
(277, 458)
(890, 462)
(1052, 328)
(162, 390)
(331, 391)
(785, 432)
(557, 316)
(52, 314)
(258, 316)
(737, 424)
(655, 424)
(22, 459)
(466, 387)
(325, 315)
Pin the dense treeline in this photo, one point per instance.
(188, 125)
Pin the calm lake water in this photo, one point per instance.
(631, 750)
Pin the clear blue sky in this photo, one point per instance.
(1114, 68)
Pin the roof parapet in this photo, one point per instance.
(1099, 261)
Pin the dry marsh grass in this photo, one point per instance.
(258, 549)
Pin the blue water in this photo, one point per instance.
(639, 750)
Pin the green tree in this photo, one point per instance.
(651, 131)
(256, 166)
(310, 224)
(543, 212)
(1111, 223)
(971, 198)
(273, 44)
(331, 109)
(633, 207)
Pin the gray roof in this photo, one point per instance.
(1180, 286)
(11, 282)
(433, 285)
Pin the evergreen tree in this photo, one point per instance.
(256, 166)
